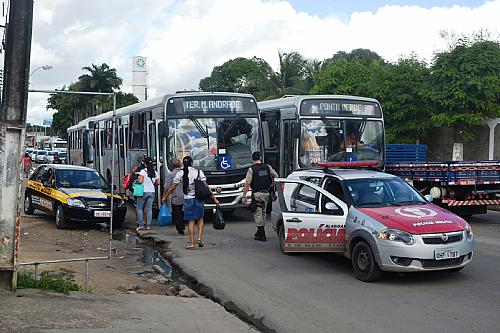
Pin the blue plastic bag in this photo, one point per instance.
(164, 217)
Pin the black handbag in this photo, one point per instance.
(201, 192)
(219, 223)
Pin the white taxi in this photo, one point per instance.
(375, 219)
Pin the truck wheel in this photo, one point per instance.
(28, 205)
(363, 262)
(60, 219)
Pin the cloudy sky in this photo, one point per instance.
(183, 40)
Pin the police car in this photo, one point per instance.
(73, 194)
(373, 218)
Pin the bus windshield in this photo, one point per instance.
(332, 140)
(208, 140)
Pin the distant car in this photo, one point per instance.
(41, 156)
(33, 154)
(373, 218)
(29, 151)
(72, 194)
(50, 156)
(63, 157)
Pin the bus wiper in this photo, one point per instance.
(231, 125)
(199, 127)
(329, 125)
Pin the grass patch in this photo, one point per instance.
(59, 281)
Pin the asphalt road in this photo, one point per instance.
(318, 292)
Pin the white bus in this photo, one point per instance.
(307, 130)
(218, 130)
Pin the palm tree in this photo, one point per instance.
(101, 79)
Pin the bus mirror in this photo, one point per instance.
(163, 129)
(296, 131)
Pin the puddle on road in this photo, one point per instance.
(149, 254)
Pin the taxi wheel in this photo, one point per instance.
(60, 219)
(363, 262)
(28, 205)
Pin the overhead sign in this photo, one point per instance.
(211, 104)
(338, 107)
(47, 122)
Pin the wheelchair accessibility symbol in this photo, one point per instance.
(225, 162)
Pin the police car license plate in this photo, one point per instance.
(446, 254)
(102, 214)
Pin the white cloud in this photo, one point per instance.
(184, 40)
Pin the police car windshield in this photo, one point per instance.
(86, 179)
(382, 192)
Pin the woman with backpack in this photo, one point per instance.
(194, 208)
(148, 177)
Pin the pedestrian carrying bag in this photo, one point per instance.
(201, 192)
(126, 180)
(138, 189)
(219, 223)
(164, 217)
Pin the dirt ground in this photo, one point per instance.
(126, 272)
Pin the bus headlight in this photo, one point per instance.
(75, 203)
(396, 236)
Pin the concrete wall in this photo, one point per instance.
(440, 144)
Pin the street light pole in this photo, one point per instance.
(44, 67)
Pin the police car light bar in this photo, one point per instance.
(348, 164)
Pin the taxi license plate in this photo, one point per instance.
(446, 254)
(102, 214)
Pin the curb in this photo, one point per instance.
(203, 289)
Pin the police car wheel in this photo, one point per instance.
(28, 205)
(60, 219)
(363, 262)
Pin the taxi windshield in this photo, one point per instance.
(86, 179)
(382, 192)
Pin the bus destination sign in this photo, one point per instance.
(211, 104)
(336, 107)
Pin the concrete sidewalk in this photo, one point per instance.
(31, 310)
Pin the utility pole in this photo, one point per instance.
(12, 130)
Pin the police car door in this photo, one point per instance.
(306, 226)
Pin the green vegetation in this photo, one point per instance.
(459, 88)
(61, 281)
(72, 108)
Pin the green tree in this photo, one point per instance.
(242, 75)
(72, 108)
(347, 74)
(407, 109)
(465, 86)
(292, 76)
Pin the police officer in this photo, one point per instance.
(260, 177)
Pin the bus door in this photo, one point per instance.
(123, 151)
(153, 144)
(287, 147)
(100, 151)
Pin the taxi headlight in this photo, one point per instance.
(468, 231)
(396, 236)
(76, 203)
